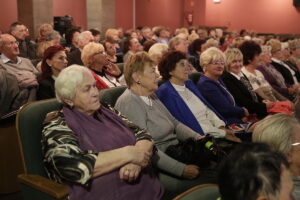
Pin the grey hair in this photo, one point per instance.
(54, 34)
(68, 80)
(277, 131)
(82, 35)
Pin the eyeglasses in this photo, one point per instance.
(296, 144)
(217, 63)
(12, 43)
(100, 52)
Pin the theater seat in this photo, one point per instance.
(34, 183)
(195, 77)
(200, 192)
(111, 95)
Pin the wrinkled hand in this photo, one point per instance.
(138, 156)
(190, 172)
(145, 145)
(130, 172)
(113, 69)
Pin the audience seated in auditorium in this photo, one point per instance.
(239, 86)
(21, 68)
(26, 46)
(275, 78)
(178, 44)
(251, 58)
(84, 38)
(54, 60)
(184, 101)
(105, 73)
(111, 52)
(112, 35)
(162, 34)
(214, 90)
(282, 133)
(43, 31)
(71, 37)
(254, 172)
(288, 73)
(140, 104)
(107, 157)
(294, 58)
(147, 34)
(194, 50)
(131, 47)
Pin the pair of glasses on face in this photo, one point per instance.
(100, 52)
(218, 63)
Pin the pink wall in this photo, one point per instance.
(75, 8)
(9, 13)
(124, 14)
(159, 12)
(267, 16)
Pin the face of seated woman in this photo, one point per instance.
(236, 65)
(180, 73)
(146, 82)
(86, 99)
(215, 68)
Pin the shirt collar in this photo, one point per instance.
(238, 76)
(6, 59)
(179, 88)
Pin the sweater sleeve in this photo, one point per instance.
(64, 160)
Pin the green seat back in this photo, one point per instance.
(29, 124)
(111, 95)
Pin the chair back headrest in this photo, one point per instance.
(29, 124)
(111, 95)
(195, 77)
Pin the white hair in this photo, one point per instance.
(68, 80)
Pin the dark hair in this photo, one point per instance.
(251, 169)
(48, 54)
(148, 44)
(69, 35)
(14, 25)
(127, 44)
(249, 49)
(196, 46)
(168, 63)
(95, 32)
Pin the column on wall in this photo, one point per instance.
(34, 13)
(100, 14)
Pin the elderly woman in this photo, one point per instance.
(251, 57)
(214, 90)
(112, 35)
(282, 133)
(289, 74)
(239, 86)
(195, 49)
(274, 77)
(179, 44)
(55, 60)
(97, 152)
(295, 52)
(156, 52)
(44, 30)
(105, 72)
(142, 107)
(184, 101)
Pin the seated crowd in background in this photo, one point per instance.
(243, 78)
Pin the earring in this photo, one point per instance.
(138, 82)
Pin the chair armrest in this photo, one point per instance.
(45, 185)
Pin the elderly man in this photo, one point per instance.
(84, 38)
(131, 47)
(26, 46)
(21, 68)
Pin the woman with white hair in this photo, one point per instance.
(214, 90)
(93, 149)
(105, 72)
(282, 133)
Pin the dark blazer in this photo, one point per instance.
(46, 89)
(242, 95)
(288, 77)
(74, 57)
(219, 98)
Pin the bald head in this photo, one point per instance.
(9, 46)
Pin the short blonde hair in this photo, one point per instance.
(275, 45)
(210, 43)
(211, 55)
(88, 51)
(175, 41)
(192, 37)
(44, 27)
(68, 80)
(294, 44)
(277, 131)
(156, 51)
(231, 54)
(109, 32)
(136, 63)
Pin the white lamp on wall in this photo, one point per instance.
(217, 1)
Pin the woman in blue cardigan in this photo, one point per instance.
(184, 101)
(214, 90)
